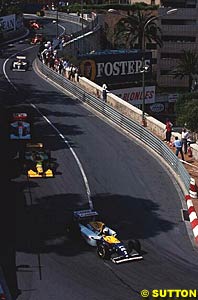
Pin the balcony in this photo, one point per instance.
(171, 47)
(167, 63)
(170, 81)
(182, 13)
(179, 30)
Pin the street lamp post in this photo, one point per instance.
(57, 20)
(82, 30)
(144, 68)
(82, 15)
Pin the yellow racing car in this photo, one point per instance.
(37, 161)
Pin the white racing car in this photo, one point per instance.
(98, 235)
(20, 63)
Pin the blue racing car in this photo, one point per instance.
(98, 235)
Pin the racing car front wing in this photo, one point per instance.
(121, 259)
(19, 70)
(33, 174)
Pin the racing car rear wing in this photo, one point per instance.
(21, 57)
(85, 213)
(19, 116)
(37, 145)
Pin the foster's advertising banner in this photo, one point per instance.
(115, 68)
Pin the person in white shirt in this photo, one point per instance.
(184, 137)
(178, 145)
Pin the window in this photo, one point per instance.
(151, 46)
(179, 39)
(174, 3)
(165, 55)
(165, 72)
(178, 22)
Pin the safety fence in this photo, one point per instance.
(130, 126)
(80, 41)
(87, 25)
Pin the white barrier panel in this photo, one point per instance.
(134, 95)
(8, 23)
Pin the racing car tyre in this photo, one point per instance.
(103, 252)
(134, 245)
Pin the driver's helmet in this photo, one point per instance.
(105, 231)
(20, 123)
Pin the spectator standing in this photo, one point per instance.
(184, 136)
(60, 66)
(168, 130)
(104, 92)
(72, 72)
(178, 145)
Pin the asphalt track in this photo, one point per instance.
(131, 190)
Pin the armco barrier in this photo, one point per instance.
(132, 127)
(129, 125)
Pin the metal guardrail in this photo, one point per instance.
(62, 16)
(87, 25)
(132, 127)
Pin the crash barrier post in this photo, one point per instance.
(126, 123)
(192, 216)
(193, 188)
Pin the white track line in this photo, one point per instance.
(73, 153)
(86, 183)
(4, 67)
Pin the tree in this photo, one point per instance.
(187, 111)
(187, 66)
(131, 29)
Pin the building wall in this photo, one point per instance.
(179, 33)
(149, 2)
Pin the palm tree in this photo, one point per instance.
(187, 66)
(131, 29)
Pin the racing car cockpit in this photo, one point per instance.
(19, 127)
(100, 228)
(37, 161)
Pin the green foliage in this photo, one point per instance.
(77, 7)
(187, 111)
(133, 27)
(9, 8)
(188, 65)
